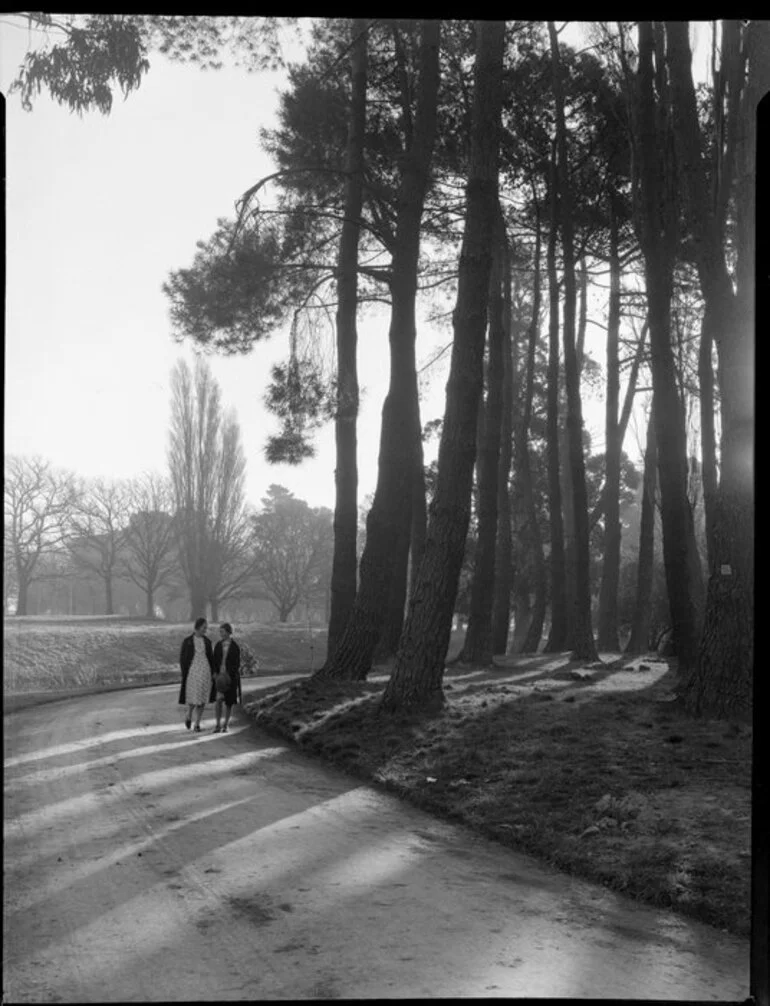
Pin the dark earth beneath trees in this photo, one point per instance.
(597, 771)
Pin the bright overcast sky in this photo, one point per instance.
(99, 211)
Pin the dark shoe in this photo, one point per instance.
(224, 730)
(197, 728)
(188, 722)
(217, 728)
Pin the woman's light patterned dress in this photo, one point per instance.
(199, 677)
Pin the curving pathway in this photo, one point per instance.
(144, 863)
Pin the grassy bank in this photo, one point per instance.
(55, 654)
(596, 772)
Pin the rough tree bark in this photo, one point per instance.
(639, 640)
(707, 433)
(477, 647)
(419, 517)
(534, 540)
(400, 430)
(522, 613)
(407, 552)
(719, 682)
(567, 492)
(345, 562)
(417, 677)
(583, 646)
(501, 607)
(580, 342)
(608, 592)
(654, 146)
(557, 636)
(393, 617)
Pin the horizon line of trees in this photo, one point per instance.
(188, 534)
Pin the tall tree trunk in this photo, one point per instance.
(109, 606)
(583, 645)
(557, 637)
(414, 550)
(608, 594)
(531, 641)
(393, 618)
(522, 613)
(598, 511)
(639, 640)
(707, 434)
(570, 532)
(417, 677)
(477, 647)
(344, 562)
(419, 517)
(214, 607)
(149, 603)
(659, 235)
(568, 512)
(719, 682)
(400, 430)
(22, 601)
(582, 315)
(540, 604)
(501, 606)
(197, 601)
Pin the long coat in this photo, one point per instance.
(233, 668)
(186, 656)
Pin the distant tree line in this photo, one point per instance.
(185, 542)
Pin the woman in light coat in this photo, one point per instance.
(196, 660)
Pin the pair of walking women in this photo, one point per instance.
(210, 674)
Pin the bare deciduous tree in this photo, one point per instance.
(98, 531)
(149, 558)
(38, 507)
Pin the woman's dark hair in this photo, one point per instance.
(199, 622)
(227, 627)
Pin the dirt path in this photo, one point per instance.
(144, 863)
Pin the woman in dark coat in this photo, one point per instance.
(196, 660)
(227, 656)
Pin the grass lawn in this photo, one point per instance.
(599, 775)
(60, 653)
